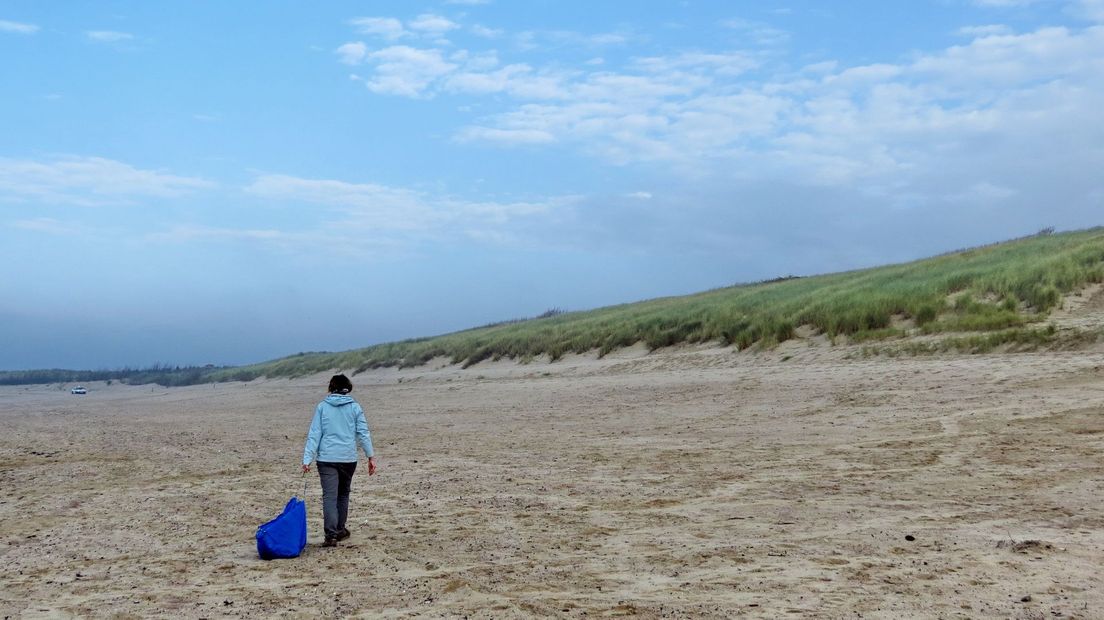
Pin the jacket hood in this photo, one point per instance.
(339, 399)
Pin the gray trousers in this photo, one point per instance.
(337, 481)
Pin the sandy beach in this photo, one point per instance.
(803, 482)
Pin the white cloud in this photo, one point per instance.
(339, 243)
(88, 181)
(190, 232)
(831, 124)
(666, 111)
(366, 220)
(402, 70)
(417, 72)
(821, 68)
(571, 38)
(619, 87)
(485, 32)
(1004, 3)
(518, 80)
(426, 26)
(526, 40)
(372, 207)
(480, 82)
(1092, 10)
(641, 195)
(432, 24)
(481, 61)
(504, 136)
(386, 27)
(983, 192)
(468, 2)
(383, 206)
(725, 64)
(757, 32)
(50, 226)
(989, 65)
(17, 27)
(108, 36)
(887, 127)
(352, 53)
(984, 31)
(406, 71)
(609, 38)
(862, 75)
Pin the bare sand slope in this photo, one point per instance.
(695, 483)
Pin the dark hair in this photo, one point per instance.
(340, 384)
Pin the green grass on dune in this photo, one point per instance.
(986, 289)
(998, 290)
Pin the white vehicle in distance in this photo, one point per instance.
(78, 390)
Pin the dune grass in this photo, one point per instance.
(993, 288)
(1017, 339)
(997, 289)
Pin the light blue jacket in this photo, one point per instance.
(337, 427)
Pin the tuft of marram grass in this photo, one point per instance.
(1019, 339)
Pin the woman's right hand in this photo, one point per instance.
(306, 469)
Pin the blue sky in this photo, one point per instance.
(217, 182)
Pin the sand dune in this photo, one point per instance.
(690, 483)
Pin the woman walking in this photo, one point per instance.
(338, 426)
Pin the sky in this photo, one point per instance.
(193, 182)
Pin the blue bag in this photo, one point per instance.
(286, 535)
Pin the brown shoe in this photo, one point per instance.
(330, 542)
(342, 535)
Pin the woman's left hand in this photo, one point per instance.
(306, 469)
